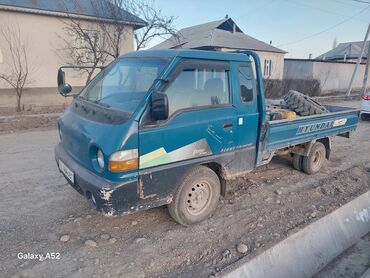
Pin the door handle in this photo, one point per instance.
(227, 125)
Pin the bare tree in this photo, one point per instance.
(158, 25)
(152, 23)
(18, 72)
(100, 42)
(84, 45)
(115, 30)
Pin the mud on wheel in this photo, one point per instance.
(196, 197)
(302, 104)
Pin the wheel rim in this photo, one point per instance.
(317, 159)
(198, 198)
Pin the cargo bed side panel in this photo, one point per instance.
(285, 133)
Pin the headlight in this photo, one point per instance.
(100, 158)
(124, 161)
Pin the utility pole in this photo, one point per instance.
(366, 74)
(358, 61)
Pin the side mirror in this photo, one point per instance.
(63, 88)
(61, 77)
(159, 106)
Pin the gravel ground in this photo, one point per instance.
(38, 118)
(27, 123)
(41, 213)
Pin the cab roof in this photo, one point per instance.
(189, 53)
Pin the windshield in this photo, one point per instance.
(123, 84)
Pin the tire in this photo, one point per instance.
(301, 104)
(364, 117)
(312, 163)
(196, 197)
(297, 162)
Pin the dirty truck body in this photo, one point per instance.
(162, 127)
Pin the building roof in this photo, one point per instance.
(103, 10)
(348, 50)
(220, 33)
(299, 60)
(189, 53)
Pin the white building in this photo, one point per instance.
(225, 35)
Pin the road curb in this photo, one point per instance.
(306, 252)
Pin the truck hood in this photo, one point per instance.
(84, 128)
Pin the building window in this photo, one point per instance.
(268, 68)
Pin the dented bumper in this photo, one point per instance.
(103, 195)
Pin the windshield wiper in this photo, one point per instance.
(94, 101)
(101, 103)
(81, 97)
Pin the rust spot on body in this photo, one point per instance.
(106, 194)
(140, 191)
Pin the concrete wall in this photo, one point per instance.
(35, 97)
(276, 58)
(43, 35)
(298, 70)
(333, 76)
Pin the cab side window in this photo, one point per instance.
(198, 84)
(246, 83)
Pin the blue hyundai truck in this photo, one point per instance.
(170, 127)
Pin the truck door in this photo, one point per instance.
(245, 101)
(201, 123)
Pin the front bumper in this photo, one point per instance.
(103, 195)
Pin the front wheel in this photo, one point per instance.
(196, 197)
(312, 163)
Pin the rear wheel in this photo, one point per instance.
(312, 163)
(196, 197)
(297, 162)
(364, 117)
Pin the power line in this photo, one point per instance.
(256, 9)
(361, 1)
(319, 9)
(325, 30)
(347, 3)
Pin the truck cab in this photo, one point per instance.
(165, 127)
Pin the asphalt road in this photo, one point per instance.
(38, 207)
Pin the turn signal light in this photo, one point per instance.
(366, 97)
(124, 161)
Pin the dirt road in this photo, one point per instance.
(38, 207)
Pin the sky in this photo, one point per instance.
(296, 26)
